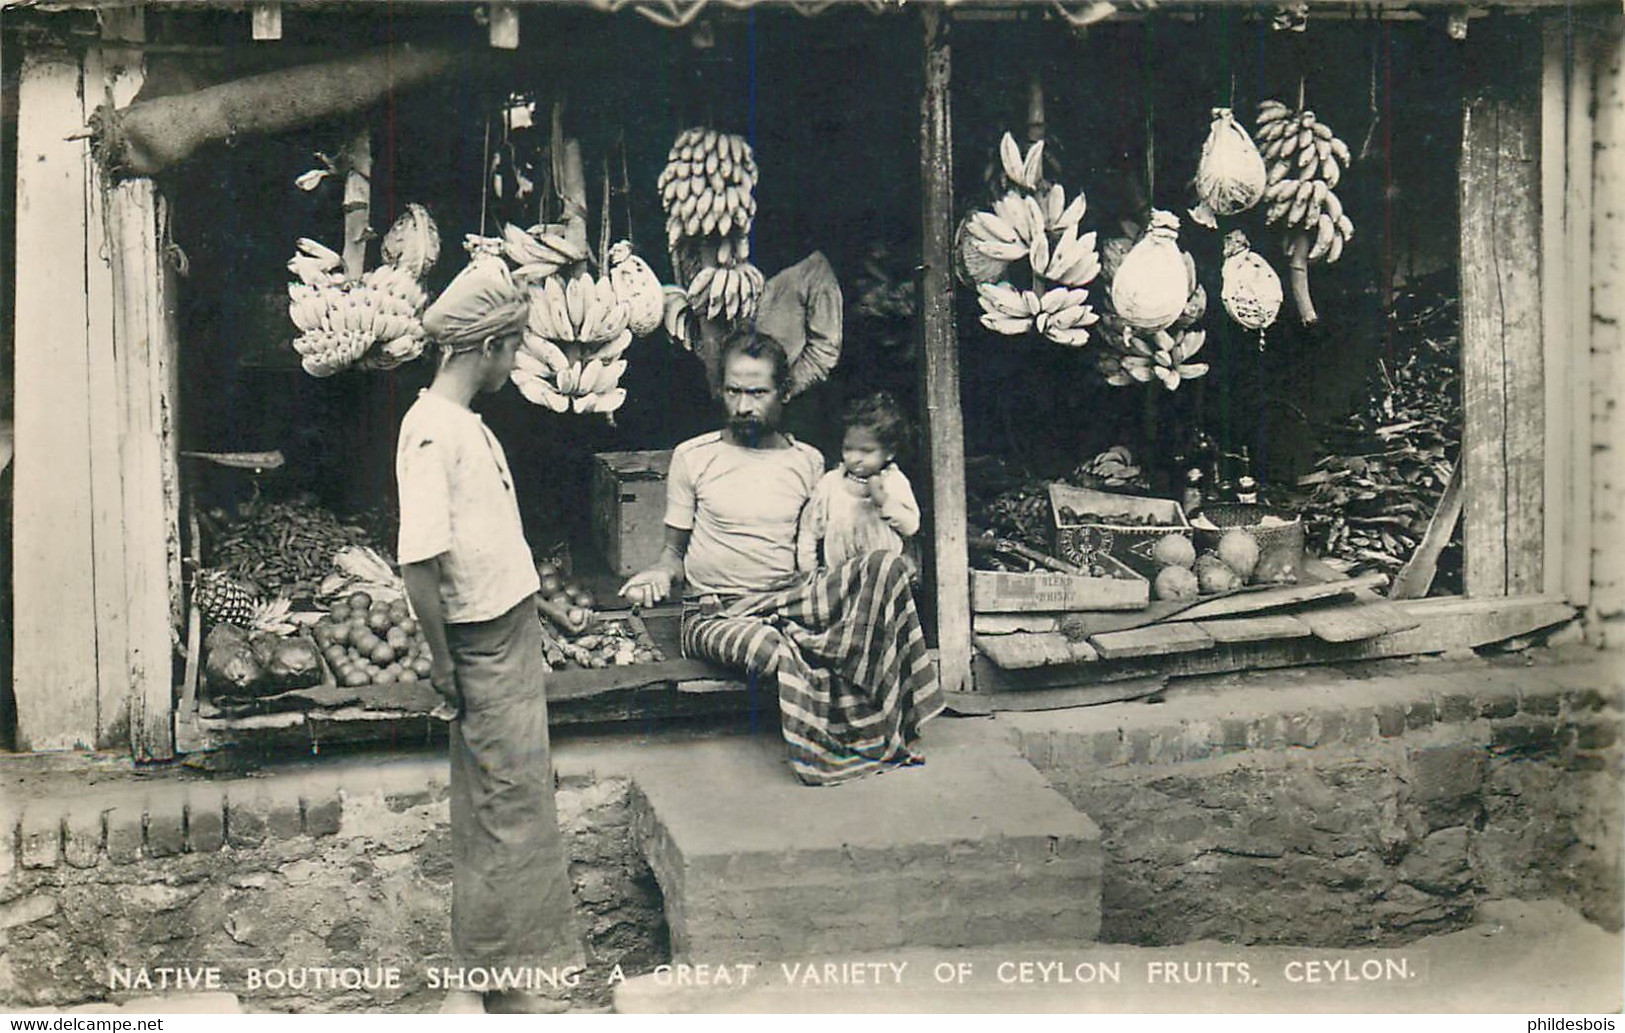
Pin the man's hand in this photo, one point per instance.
(571, 620)
(647, 588)
(444, 679)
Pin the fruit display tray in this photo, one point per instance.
(1129, 528)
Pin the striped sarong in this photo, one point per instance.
(854, 680)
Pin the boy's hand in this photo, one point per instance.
(877, 488)
(572, 620)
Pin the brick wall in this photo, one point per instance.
(1303, 810)
(286, 871)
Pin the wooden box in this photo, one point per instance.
(1007, 592)
(629, 508)
(1081, 542)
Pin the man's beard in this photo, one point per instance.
(750, 431)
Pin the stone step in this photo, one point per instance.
(972, 848)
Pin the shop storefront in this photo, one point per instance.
(1236, 337)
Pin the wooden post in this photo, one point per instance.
(144, 336)
(1503, 365)
(114, 74)
(53, 568)
(1606, 467)
(939, 362)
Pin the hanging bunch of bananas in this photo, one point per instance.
(536, 254)
(706, 192)
(1132, 355)
(1032, 223)
(413, 243)
(371, 323)
(571, 358)
(1306, 161)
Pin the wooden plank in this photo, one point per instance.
(267, 20)
(1009, 623)
(1158, 640)
(1503, 382)
(143, 340)
(939, 358)
(1573, 413)
(1022, 650)
(1443, 625)
(1278, 598)
(103, 74)
(1415, 579)
(1024, 701)
(1556, 285)
(1253, 629)
(53, 570)
(1350, 623)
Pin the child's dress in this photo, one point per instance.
(850, 525)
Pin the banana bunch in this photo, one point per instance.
(705, 188)
(1061, 314)
(1163, 355)
(727, 292)
(340, 322)
(535, 254)
(706, 192)
(571, 357)
(1032, 223)
(1306, 162)
(1113, 468)
(413, 242)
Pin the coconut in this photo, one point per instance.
(1175, 582)
(1239, 551)
(1174, 550)
(1215, 575)
(1153, 284)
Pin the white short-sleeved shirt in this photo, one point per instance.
(458, 503)
(741, 506)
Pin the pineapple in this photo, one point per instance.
(222, 599)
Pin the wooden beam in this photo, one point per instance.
(1443, 625)
(939, 346)
(1556, 285)
(1503, 374)
(53, 568)
(1607, 317)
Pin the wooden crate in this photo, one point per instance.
(1006, 592)
(629, 508)
(1081, 542)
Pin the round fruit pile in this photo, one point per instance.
(1234, 563)
(558, 589)
(368, 642)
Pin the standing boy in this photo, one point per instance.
(468, 573)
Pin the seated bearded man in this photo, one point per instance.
(844, 645)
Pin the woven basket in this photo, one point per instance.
(1248, 517)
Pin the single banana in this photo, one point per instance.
(1289, 145)
(1325, 233)
(1272, 111)
(1335, 250)
(1334, 207)
(699, 289)
(1306, 158)
(1341, 151)
(575, 306)
(1300, 208)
